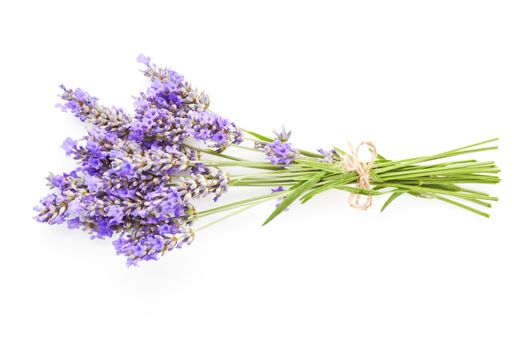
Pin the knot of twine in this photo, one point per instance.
(351, 162)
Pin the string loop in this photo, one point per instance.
(351, 162)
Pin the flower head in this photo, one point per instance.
(330, 156)
(280, 152)
(212, 128)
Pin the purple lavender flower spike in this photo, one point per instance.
(212, 128)
(152, 242)
(78, 102)
(279, 151)
(203, 182)
(170, 91)
(86, 108)
(330, 156)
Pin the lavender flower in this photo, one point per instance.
(203, 183)
(152, 242)
(214, 129)
(86, 108)
(157, 127)
(330, 156)
(279, 151)
(170, 91)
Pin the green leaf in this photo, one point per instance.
(327, 167)
(461, 205)
(340, 151)
(357, 190)
(294, 195)
(391, 199)
(327, 186)
(380, 157)
(375, 177)
(259, 136)
(448, 187)
(310, 154)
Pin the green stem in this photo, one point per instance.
(212, 152)
(241, 203)
(226, 217)
(463, 206)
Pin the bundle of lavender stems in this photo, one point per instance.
(139, 175)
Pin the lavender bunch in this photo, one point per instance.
(139, 174)
(136, 177)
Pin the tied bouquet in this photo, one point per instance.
(140, 174)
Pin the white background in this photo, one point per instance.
(416, 77)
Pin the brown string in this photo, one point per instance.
(351, 163)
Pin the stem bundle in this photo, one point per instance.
(429, 177)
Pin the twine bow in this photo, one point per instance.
(351, 163)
